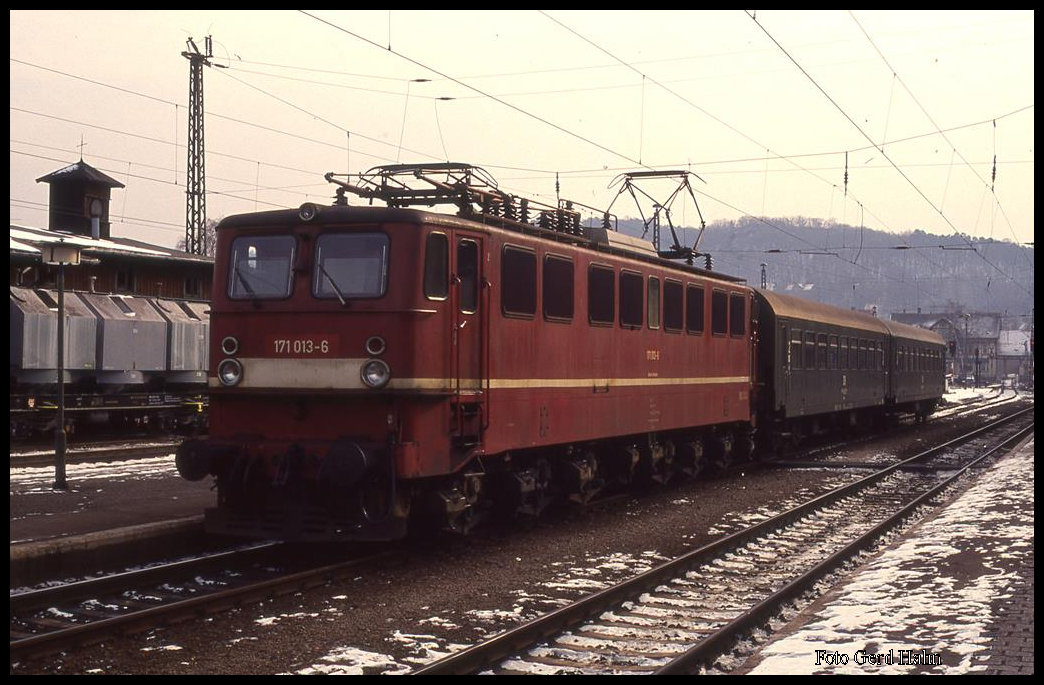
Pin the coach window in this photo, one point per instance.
(436, 267)
(630, 300)
(810, 350)
(821, 350)
(259, 267)
(832, 353)
(843, 351)
(518, 286)
(601, 295)
(795, 350)
(653, 304)
(558, 288)
(719, 312)
(350, 265)
(694, 309)
(467, 272)
(737, 315)
(673, 306)
(879, 355)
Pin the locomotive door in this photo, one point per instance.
(467, 344)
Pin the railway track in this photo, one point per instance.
(87, 453)
(672, 619)
(71, 615)
(83, 613)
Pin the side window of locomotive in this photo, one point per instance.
(350, 265)
(436, 267)
(467, 272)
(518, 286)
(601, 295)
(694, 309)
(673, 306)
(737, 315)
(719, 312)
(631, 292)
(558, 288)
(260, 267)
(653, 304)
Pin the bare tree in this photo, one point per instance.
(209, 239)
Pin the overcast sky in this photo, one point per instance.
(763, 107)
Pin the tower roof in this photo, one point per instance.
(80, 171)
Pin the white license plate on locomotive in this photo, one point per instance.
(304, 346)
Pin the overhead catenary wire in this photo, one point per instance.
(913, 185)
(564, 172)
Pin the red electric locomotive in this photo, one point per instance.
(376, 366)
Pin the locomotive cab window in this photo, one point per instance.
(350, 265)
(518, 281)
(436, 267)
(467, 272)
(260, 267)
(558, 288)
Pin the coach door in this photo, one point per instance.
(470, 313)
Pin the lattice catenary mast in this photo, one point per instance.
(196, 180)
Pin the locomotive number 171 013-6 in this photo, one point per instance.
(303, 345)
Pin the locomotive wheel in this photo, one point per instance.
(580, 477)
(690, 457)
(657, 464)
(523, 491)
(461, 504)
(720, 456)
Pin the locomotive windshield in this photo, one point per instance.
(350, 265)
(260, 267)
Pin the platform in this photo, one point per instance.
(954, 594)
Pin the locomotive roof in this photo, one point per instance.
(279, 218)
(810, 310)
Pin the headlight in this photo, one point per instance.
(375, 373)
(375, 345)
(229, 345)
(230, 372)
(307, 211)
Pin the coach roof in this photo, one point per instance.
(788, 306)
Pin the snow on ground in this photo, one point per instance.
(923, 599)
(36, 479)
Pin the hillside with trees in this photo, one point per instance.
(860, 268)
